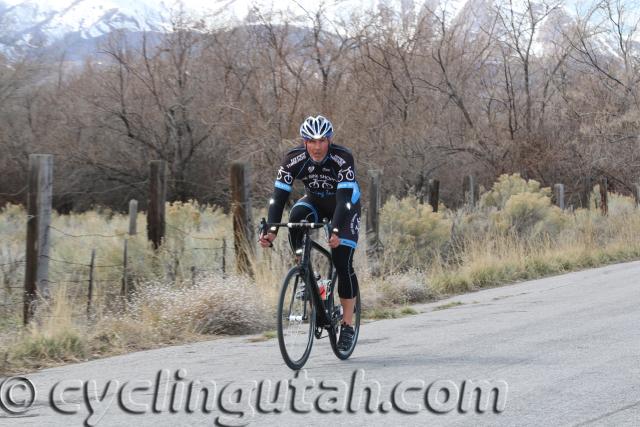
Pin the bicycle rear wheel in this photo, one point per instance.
(334, 306)
(296, 320)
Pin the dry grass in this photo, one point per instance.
(53, 336)
(448, 305)
(158, 314)
(588, 241)
(181, 294)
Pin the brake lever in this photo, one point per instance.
(263, 230)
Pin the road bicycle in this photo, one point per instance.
(304, 311)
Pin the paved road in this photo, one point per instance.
(567, 347)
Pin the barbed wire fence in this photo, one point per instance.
(114, 281)
(86, 283)
(89, 280)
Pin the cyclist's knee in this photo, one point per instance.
(347, 286)
(347, 279)
(299, 212)
(303, 211)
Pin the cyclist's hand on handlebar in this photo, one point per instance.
(334, 241)
(266, 239)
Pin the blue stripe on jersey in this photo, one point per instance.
(313, 209)
(354, 186)
(347, 242)
(283, 186)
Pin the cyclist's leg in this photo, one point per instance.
(303, 209)
(343, 261)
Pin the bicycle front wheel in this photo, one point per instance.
(296, 320)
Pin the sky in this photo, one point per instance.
(229, 12)
(216, 12)
(240, 8)
(237, 7)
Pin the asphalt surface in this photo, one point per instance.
(561, 351)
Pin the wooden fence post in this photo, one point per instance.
(587, 188)
(434, 194)
(194, 272)
(374, 247)
(124, 290)
(157, 198)
(636, 194)
(90, 295)
(604, 199)
(36, 277)
(558, 192)
(224, 257)
(470, 190)
(133, 217)
(241, 208)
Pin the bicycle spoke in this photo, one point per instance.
(296, 321)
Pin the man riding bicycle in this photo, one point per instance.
(327, 171)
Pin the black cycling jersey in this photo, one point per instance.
(330, 185)
(332, 192)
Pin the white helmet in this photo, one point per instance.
(316, 128)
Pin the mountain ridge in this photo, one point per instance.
(75, 27)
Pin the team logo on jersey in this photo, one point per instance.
(355, 224)
(284, 175)
(339, 160)
(296, 159)
(326, 170)
(318, 183)
(311, 168)
(346, 174)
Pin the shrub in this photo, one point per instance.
(507, 186)
(405, 288)
(530, 215)
(412, 233)
(470, 225)
(620, 205)
(212, 306)
(62, 345)
(52, 335)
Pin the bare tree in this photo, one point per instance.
(153, 100)
(507, 86)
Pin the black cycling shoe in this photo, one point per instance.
(346, 337)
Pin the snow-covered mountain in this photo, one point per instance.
(74, 26)
(29, 24)
(33, 24)
(26, 25)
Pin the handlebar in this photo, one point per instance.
(273, 226)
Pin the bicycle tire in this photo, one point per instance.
(333, 333)
(289, 295)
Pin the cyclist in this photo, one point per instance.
(328, 173)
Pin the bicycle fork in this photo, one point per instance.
(323, 319)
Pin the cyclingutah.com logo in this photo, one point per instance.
(238, 402)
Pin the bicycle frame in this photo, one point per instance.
(323, 317)
(307, 271)
(327, 313)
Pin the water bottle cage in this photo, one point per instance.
(324, 286)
